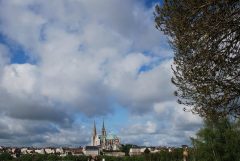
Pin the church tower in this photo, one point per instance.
(94, 136)
(104, 136)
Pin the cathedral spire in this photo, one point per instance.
(103, 130)
(104, 136)
(103, 127)
(94, 129)
(94, 135)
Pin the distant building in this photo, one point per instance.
(135, 151)
(105, 141)
(74, 151)
(59, 151)
(141, 150)
(91, 151)
(114, 153)
(50, 150)
(40, 151)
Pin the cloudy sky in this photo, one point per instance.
(66, 63)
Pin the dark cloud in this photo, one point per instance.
(30, 108)
(41, 129)
(98, 101)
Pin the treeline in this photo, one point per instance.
(175, 155)
(42, 157)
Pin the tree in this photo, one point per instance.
(217, 140)
(5, 156)
(26, 157)
(146, 151)
(205, 37)
(125, 148)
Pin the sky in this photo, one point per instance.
(64, 64)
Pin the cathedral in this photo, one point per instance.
(105, 141)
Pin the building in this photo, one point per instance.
(74, 151)
(114, 153)
(27, 150)
(50, 150)
(105, 141)
(40, 150)
(135, 151)
(91, 151)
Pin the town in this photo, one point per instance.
(103, 144)
(85, 151)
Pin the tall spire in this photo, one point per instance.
(104, 135)
(103, 127)
(94, 129)
(94, 134)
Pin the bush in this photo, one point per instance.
(5, 156)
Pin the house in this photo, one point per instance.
(50, 150)
(72, 151)
(135, 151)
(30, 150)
(155, 151)
(40, 151)
(114, 153)
(143, 148)
(91, 151)
(1, 149)
(16, 152)
(59, 151)
(77, 151)
(23, 150)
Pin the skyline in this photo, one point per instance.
(64, 64)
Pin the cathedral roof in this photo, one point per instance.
(111, 137)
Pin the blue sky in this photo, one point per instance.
(64, 64)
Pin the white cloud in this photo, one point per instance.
(140, 90)
(166, 125)
(136, 129)
(89, 56)
(19, 79)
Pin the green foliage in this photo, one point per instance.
(205, 37)
(207, 142)
(39, 157)
(164, 155)
(47, 157)
(125, 148)
(5, 156)
(146, 151)
(75, 158)
(53, 157)
(219, 140)
(26, 157)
